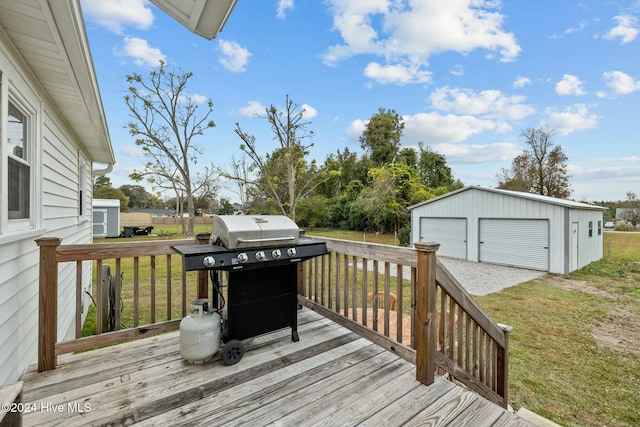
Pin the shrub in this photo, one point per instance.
(623, 226)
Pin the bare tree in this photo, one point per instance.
(283, 176)
(542, 169)
(166, 120)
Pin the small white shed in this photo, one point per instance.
(106, 218)
(511, 228)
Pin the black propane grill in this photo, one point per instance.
(260, 254)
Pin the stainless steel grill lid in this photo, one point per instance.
(254, 231)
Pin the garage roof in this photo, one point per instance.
(520, 194)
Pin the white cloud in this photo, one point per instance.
(487, 103)
(572, 119)
(132, 151)
(234, 57)
(308, 112)
(399, 74)
(141, 53)
(116, 15)
(521, 81)
(356, 128)
(627, 29)
(436, 128)
(620, 82)
(283, 6)
(569, 85)
(478, 153)
(195, 98)
(253, 109)
(410, 32)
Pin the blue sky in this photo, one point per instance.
(467, 76)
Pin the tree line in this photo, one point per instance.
(370, 191)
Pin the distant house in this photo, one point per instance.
(53, 140)
(511, 228)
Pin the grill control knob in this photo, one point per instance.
(276, 253)
(209, 261)
(291, 252)
(242, 257)
(260, 256)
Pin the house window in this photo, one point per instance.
(590, 228)
(599, 228)
(19, 167)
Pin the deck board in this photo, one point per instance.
(332, 376)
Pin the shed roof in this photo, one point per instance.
(520, 194)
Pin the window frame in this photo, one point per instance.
(11, 93)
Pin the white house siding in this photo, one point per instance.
(56, 208)
(476, 203)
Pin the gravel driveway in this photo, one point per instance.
(480, 278)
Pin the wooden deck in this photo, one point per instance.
(331, 377)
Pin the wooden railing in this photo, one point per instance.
(159, 270)
(436, 322)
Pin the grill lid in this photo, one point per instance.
(253, 231)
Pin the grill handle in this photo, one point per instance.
(268, 239)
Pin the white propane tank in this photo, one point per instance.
(199, 333)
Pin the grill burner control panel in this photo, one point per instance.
(213, 257)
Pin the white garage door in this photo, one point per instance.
(451, 233)
(517, 242)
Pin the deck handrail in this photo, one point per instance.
(447, 331)
(53, 253)
(462, 340)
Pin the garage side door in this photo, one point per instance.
(451, 233)
(517, 242)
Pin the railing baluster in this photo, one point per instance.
(337, 282)
(354, 289)
(345, 295)
(153, 288)
(365, 289)
(117, 302)
(99, 291)
(387, 293)
(79, 298)
(399, 307)
(374, 305)
(136, 291)
(168, 287)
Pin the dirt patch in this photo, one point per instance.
(620, 329)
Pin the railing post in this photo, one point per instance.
(203, 275)
(502, 366)
(48, 303)
(425, 318)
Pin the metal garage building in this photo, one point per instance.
(511, 228)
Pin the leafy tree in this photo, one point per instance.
(108, 192)
(542, 169)
(166, 120)
(343, 168)
(409, 157)
(383, 204)
(381, 137)
(284, 176)
(432, 168)
(226, 208)
(139, 197)
(314, 211)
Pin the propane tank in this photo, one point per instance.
(199, 333)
